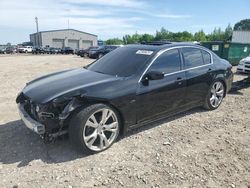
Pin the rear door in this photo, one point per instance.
(198, 70)
(160, 97)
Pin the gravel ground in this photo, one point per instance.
(194, 149)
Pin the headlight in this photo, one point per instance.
(37, 108)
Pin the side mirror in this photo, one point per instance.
(154, 75)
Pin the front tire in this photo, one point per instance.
(85, 55)
(94, 128)
(215, 95)
(100, 55)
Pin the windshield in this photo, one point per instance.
(122, 62)
(97, 48)
(92, 48)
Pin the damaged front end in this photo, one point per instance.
(49, 120)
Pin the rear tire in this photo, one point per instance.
(215, 95)
(95, 128)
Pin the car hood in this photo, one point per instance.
(49, 87)
(247, 59)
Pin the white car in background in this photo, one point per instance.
(25, 49)
(244, 65)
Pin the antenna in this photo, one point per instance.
(68, 23)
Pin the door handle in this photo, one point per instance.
(179, 79)
(209, 70)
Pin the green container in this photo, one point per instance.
(237, 52)
(233, 52)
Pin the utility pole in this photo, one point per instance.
(37, 35)
(36, 24)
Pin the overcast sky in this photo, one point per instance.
(115, 18)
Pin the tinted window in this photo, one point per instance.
(216, 58)
(168, 62)
(206, 57)
(124, 61)
(192, 57)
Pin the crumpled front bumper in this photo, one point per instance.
(29, 121)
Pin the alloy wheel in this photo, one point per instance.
(101, 129)
(217, 94)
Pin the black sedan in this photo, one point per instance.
(127, 88)
(85, 52)
(97, 53)
(67, 50)
(38, 50)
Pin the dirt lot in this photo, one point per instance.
(194, 149)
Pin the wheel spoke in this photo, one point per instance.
(213, 90)
(90, 143)
(220, 93)
(89, 140)
(106, 114)
(212, 99)
(218, 86)
(111, 127)
(216, 101)
(91, 124)
(103, 141)
(92, 117)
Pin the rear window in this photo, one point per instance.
(192, 57)
(123, 62)
(206, 57)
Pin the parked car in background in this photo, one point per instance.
(10, 50)
(2, 50)
(38, 50)
(77, 52)
(85, 52)
(67, 50)
(52, 50)
(46, 50)
(25, 49)
(127, 88)
(244, 65)
(97, 53)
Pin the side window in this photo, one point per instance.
(206, 57)
(192, 57)
(168, 62)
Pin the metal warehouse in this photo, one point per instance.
(241, 37)
(64, 38)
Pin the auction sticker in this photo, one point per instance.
(144, 52)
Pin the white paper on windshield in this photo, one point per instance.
(144, 52)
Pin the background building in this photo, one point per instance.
(241, 37)
(64, 38)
